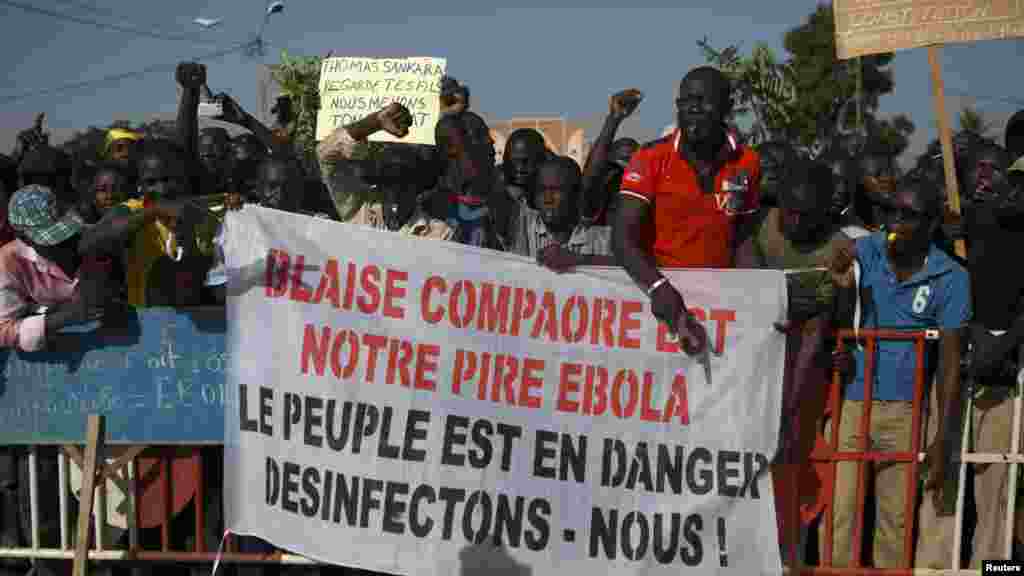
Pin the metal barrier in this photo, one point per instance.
(866, 455)
(912, 458)
(100, 550)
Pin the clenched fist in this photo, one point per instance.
(190, 75)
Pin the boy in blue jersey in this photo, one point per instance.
(906, 283)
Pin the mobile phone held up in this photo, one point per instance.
(209, 106)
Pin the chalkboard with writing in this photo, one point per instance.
(157, 375)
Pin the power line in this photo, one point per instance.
(105, 25)
(118, 77)
(89, 7)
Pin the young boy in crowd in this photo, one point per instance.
(906, 283)
(552, 234)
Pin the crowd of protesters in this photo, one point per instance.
(864, 244)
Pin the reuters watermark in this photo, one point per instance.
(1002, 567)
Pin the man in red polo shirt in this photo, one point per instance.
(682, 199)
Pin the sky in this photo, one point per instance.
(519, 57)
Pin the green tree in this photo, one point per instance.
(973, 122)
(806, 97)
(299, 78)
(763, 91)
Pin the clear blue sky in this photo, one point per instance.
(525, 57)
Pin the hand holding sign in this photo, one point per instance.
(557, 258)
(693, 337)
(667, 306)
(395, 119)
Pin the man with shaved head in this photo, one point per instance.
(683, 197)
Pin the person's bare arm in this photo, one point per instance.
(191, 77)
(395, 119)
(235, 114)
(667, 305)
(594, 196)
(746, 255)
(845, 294)
(117, 228)
(948, 394)
(597, 260)
(633, 217)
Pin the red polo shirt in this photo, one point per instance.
(692, 229)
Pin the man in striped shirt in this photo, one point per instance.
(552, 234)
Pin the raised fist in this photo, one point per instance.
(190, 75)
(395, 119)
(32, 138)
(624, 103)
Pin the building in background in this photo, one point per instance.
(562, 137)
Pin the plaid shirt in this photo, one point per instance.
(533, 236)
(28, 281)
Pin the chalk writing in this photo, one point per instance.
(167, 387)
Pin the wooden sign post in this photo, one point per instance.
(95, 435)
(946, 140)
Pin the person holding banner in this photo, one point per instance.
(553, 234)
(525, 150)
(905, 283)
(683, 198)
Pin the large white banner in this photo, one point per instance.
(425, 408)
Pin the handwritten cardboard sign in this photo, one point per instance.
(352, 88)
(866, 27)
